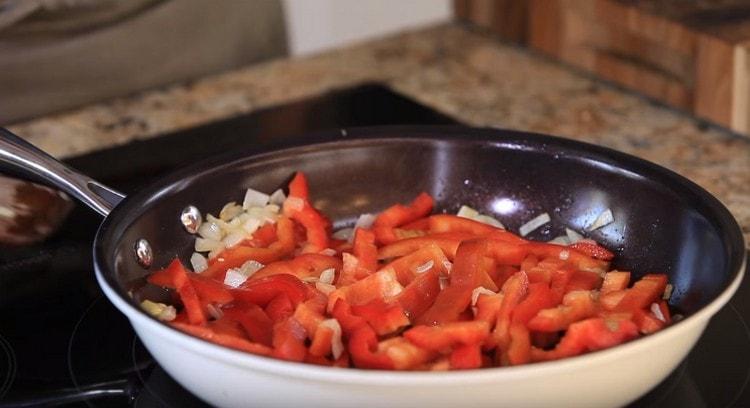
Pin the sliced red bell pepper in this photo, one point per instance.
(408, 267)
(454, 223)
(647, 290)
(262, 291)
(298, 186)
(263, 236)
(539, 297)
(365, 249)
(279, 308)
(254, 320)
(422, 224)
(466, 357)
(576, 305)
(583, 280)
(404, 354)
(448, 306)
(315, 223)
(398, 215)
(309, 318)
(207, 334)
(519, 349)
(443, 337)
(568, 254)
(211, 291)
(348, 321)
(289, 340)
(175, 276)
(383, 317)
(473, 266)
(321, 342)
(380, 285)
(228, 327)
(589, 335)
(363, 348)
(447, 242)
(420, 294)
(514, 290)
(593, 250)
(302, 266)
(488, 306)
(506, 253)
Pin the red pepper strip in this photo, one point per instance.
(488, 306)
(576, 305)
(385, 235)
(289, 340)
(589, 335)
(422, 224)
(454, 223)
(420, 294)
(448, 306)
(583, 280)
(351, 270)
(262, 291)
(472, 265)
(465, 357)
(222, 339)
(647, 290)
(309, 318)
(593, 250)
(539, 297)
(559, 282)
(211, 291)
(609, 301)
(502, 273)
(263, 236)
(254, 320)
(236, 256)
(543, 270)
(175, 276)
(321, 342)
(279, 308)
(298, 186)
(349, 322)
(568, 254)
(365, 249)
(404, 354)
(513, 291)
(398, 215)
(226, 326)
(506, 253)
(408, 267)
(302, 266)
(647, 322)
(383, 317)
(314, 222)
(447, 242)
(380, 285)
(519, 350)
(664, 307)
(506, 236)
(363, 344)
(614, 281)
(443, 337)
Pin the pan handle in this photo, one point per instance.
(25, 157)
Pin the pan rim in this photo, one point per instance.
(105, 269)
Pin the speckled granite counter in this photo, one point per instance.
(471, 77)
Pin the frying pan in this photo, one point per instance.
(663, 223)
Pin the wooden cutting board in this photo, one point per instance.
(692, 55)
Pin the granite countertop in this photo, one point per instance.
(469, 76)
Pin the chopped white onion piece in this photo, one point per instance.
(325, 288)
(250, 267)
(295, 203)
(561, 240)
(277, 197)
(205, 244)
(234, 277)
(573, 236)
(486, 219)
(210, 230)
(467, 212)
(564, 255)
(215, 252)
(443, 281)
(667, 292)
(656, 310)
(214, 311)
(159, 310)
(327, 276)
(344, 234)
(425, 266)
(233, 239)
(337, 346)
(480, 290)
(251, 225)
(328, 252)
(254, 198)
(274, 208)
(365, 221)
(198, 262)
(229, 211)
(310, 279)
(605, 218)
(448, 265)
(535, 223)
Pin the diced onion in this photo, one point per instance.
(344, 234)
(325, 288)
(425, 266)
(310, 279)
(205, 244)
(443, 282)
(564, 255)
(365, 221)
(561, 240)
(535, 223)
(254, 198)
(573, 236)
(214, 311)
(216, 251)
(210, 230)
(480, 290)
(159, 310)
(605, 218)
(448, 265)
(486, 219)
(229, 211)
(295, 203)
(234, 277)
(233, 239)
(337, 346)
(277, 197)
(251, 225)
(467, 212)
(327, 276)
(667, 292)
(656, 310)
(199, 262)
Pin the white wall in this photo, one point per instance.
(317, 25)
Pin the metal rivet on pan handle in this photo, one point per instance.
(191, 219)
(143, 253)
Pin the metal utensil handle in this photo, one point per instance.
(23, 156)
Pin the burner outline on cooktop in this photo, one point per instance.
(11, 366)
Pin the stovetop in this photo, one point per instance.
(63, 344)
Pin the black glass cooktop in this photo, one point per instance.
(63, 344)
